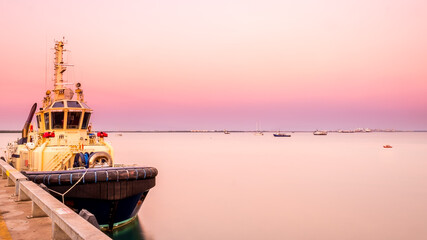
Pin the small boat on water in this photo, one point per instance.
(387, 146)
(320, 133)
(75, 164)
(346, 131)
(258, 132)
(279, 134)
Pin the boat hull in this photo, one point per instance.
(113, 195)
(281, 135)
(110, 214)
(320, 133)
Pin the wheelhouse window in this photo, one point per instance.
(85, 105)
(46, 121)
(73, 104)
(86, 119)
(38, 121)
(73, 120)
(59, 104)
(57, 120)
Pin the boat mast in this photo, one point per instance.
(61, 92)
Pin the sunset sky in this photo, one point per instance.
(224, 64)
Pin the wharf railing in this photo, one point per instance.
(66, 224)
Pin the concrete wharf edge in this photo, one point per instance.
(66, 224)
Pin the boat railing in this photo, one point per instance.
(66, 224)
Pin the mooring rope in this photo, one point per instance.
(63, 194)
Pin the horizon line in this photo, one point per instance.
(222, 130)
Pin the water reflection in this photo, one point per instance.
(131, 231)
(343, 186)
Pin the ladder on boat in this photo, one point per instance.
(60, 160)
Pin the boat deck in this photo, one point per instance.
(14, 223)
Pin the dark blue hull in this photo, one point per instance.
(281, 135)
(113, 195)
(109, 213)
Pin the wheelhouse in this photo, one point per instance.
(64, 115)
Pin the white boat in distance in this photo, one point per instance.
(258, 132)
(319, 133)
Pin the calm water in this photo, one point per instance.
(242, 186)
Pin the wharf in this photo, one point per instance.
(46, 211)
(14, 223)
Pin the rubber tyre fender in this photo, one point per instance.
(79, 160)
(99, 157)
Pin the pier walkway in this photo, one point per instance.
(50, 218)
(14, 223)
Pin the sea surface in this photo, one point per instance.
(242, 186)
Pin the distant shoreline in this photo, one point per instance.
(221, 131)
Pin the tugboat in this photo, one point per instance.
(75, 164)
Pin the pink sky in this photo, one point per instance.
(175, 65)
